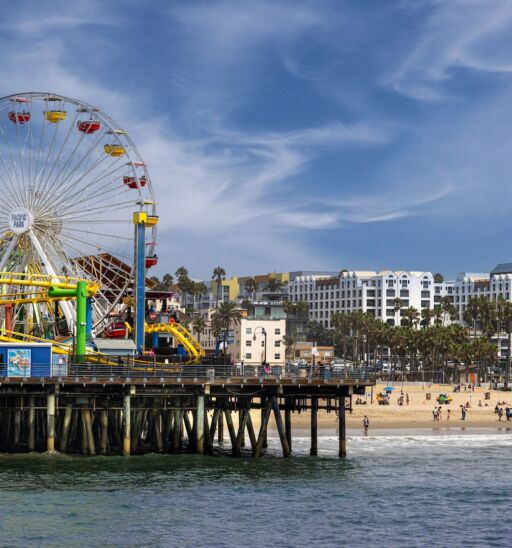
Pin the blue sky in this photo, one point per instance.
(286, 135)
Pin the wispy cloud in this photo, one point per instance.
(468, 34)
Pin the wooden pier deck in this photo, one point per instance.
(112, 411)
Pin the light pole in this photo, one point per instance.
(264, 333)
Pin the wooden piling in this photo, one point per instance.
(176, 429)
(88, 431)
(50, 422)
(104, 432)
(250, 431)
(220, 429)
(262, 436)
(126, 425)
(263, 405)
(199, 426)
(157, 428)
(314, 427)
(280, 427)
(66, 423)
(31, 424)
(342, 427)
(288, 421)
(231, 428)
(242, 421)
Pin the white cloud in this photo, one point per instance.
(471, 34)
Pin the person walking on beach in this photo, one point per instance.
(366, 424)
(439, 413)
(448, 414)
(407, 399)
(500, 413)
(463, 411)
(434, 413)
(508, 412)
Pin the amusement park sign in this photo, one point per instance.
(20, 220)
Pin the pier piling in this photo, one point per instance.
(126, 424)
(50, 424)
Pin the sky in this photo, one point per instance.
(296, 134)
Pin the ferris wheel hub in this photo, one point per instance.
(20, 220)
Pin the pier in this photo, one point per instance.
(126, 410)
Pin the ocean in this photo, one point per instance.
(392, 490)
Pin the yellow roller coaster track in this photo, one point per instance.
(45, 280)
(192, 346)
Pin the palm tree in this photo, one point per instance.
(448, 308)
(199, 326)
(438, 278)
(289, 342)
(426, 317)
(397, 306)
(250, 286)
(274, 284)
(470, 315)
(226, 314)
(507, 325)
(411, 316)
(219, 274)
(341, 322)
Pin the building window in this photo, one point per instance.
(248, 331)
(277, 356)
(248, 343)
(277, 344)
(248, 356)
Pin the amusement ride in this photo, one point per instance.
(78, 227)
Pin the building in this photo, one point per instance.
(259, 336)
(371, 292)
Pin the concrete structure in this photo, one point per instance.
(368, 291)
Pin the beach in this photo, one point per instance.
(417, 415)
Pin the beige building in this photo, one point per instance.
(304, 351)
(256, 339)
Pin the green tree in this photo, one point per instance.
(226, 314)
(219, 275)
(199, 325)
(274, 284)
(250, 286)
(438, 278)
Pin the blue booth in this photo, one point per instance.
(25, 359)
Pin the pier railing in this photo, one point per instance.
(129, 369)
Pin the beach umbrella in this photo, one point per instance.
(389, 389)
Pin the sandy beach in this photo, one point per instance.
(417, 416)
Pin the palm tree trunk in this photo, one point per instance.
(507, 376)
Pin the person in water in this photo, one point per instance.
(366, 424)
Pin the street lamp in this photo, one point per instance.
(264, 333)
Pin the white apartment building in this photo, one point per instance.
(497, 283)
(369, 291)
(251, 346)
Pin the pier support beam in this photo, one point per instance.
(220, 429)
(280, 427)
(314, 427)
(231, 428)
(343, 427)
(126, 424)
(262, 436)
(199, 424)
(288, 421)
(31, 424)
(237, 447)
(263, 405)
(104, 432)
(88, 431)
(65, 427)
(50, 422)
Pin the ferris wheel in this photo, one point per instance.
(70, 181)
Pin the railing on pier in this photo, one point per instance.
(121, 368)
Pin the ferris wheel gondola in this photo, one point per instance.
(67, 208)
